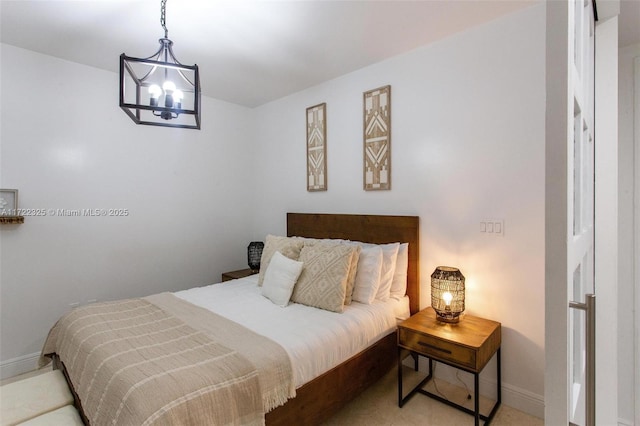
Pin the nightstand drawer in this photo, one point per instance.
(437, 349)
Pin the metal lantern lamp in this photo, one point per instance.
(254, 254)
(159, 90)
(447, 293)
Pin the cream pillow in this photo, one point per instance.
(351, 280)
(399, 283)
(312, 241)
(288, 247)
(280, 278)
(368, 275)
(389, 257)
(323, 281)
(351, 277)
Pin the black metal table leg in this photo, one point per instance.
(400, 377)
(498, 390)
(476, 395)
(418, 388)
(476, 388)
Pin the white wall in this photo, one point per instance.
(468, 135)
(67, 145)
(467, 145)
(627, 354)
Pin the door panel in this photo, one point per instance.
(580, 249)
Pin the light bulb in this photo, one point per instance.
(154, 94)
(447, 297)
(155, 91)
(169, 86)
(177, 96)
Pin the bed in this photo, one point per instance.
(316, 400)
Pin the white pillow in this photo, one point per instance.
(368, 275)
(280, 278)
(399, 283)
(389, 257)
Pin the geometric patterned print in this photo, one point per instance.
(316, 148)
(323, 281)
(377, 139)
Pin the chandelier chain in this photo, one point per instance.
(163, 17)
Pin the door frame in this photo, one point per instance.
(558, 118)
(606, 214)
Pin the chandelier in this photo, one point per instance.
(159, 90)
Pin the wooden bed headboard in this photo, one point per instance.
(366, 228)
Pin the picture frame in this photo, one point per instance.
(376, 111)
(317, 148)
(8, 202)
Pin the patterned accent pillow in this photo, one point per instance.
(313, 241)
(289, 247)
(351, 281)
(323, 282)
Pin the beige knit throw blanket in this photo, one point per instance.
(161, 360)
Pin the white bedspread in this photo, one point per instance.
(316, 340)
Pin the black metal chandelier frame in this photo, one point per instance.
(174, 113)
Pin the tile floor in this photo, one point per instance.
(378, 405)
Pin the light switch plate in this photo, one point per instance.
(492, 226)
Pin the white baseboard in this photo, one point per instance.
(15, 366)
(523, 400)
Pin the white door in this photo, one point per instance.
(569, 235)
(580, 246)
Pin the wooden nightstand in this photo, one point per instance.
(467, 345)
(241, 273)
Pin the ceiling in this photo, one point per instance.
(249, 52)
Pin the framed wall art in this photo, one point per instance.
(317, 148)
(377, 138)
